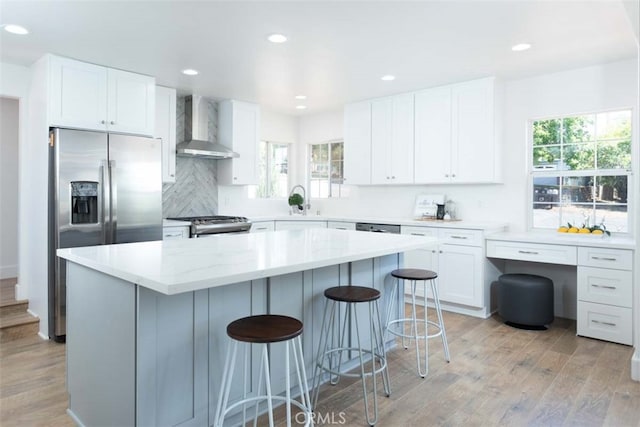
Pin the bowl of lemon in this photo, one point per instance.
(596, 230)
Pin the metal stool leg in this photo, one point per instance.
(443, 334)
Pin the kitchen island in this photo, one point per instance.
(146, 335)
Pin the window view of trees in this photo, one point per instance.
(326, 166)
(273, 170)
(581, 167)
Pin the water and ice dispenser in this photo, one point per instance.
(84, 202)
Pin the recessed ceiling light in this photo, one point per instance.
(190, 72)
(388, 78)
(301, 107)
(520, 47)
(277, 38)
(16, 29)
(301, 96)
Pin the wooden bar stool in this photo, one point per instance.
(265, 329)
(397, 326)
(332, 355)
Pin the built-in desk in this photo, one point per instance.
(604, 267)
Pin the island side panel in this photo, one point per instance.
(172, 371)
(226, 304)
(100, 347)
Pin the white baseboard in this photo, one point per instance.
(454, 308)
(43, 336)
(21, 292)
(635, 365)
(8, 271)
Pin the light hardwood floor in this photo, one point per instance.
(497, 376)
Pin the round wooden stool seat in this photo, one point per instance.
(266, 328)
(414, 274)
(352, 294)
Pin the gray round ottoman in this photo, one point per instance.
(525, 300)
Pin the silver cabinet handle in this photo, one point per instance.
(459, 237)
(441, 252)
(446, 175)
(453, 175)
(528, 252)
(603, 258)
(603, 323)
(604, 286)
(393, 177)
(102, 122)
(433, 251)
(114, 199)
(112, 122)
(173, 234)
(262, 228)
(418, 234)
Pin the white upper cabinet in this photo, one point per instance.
(239, 130)
(166, 130)
(131, 102)
(433, 135)
(357, 143)
(456, 140)
(87, 96)
(78, 96)
(381, 140)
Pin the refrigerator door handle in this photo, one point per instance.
(114, 200)
(106, 209)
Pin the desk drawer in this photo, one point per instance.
(619, 259)
(456, 236)
(605, 322)
(535, 252)
(606, 286)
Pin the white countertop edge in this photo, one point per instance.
(555, 238)
(473, 225)
(242, 276)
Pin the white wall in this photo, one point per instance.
(14, 83)
(9, 122)
(234, 199)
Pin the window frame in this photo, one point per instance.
(329, 160)
(629, 172)
(268, 166)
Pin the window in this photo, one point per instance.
(273, 170)
(326, 169)
(581, 167)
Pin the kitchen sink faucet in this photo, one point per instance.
(305, 206)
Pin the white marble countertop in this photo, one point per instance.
(468, 224)
(555, 238)
(184, 265)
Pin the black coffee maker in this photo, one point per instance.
(440, 212)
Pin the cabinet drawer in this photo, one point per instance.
(619, 259)
(340, 225)
(606, 286)
(605, 322)
(169, 233)
(419, 231)
(455, 236)
(535, 252)
(262, 226)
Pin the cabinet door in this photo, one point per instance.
(239, 130)
(171, 233)
(166, 130)
(474, 151)
(460, 275)
(78, 97)
(339, 225)
(401, 156)
(262, 226)
(433, 135)
(299, 225)
(131, 103)
(381, 139)
(357, 143)
(426, 258)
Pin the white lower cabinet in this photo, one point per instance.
(605, 295)
(464, 274)
(339, 225)
(300, 225)
(180, 232)
(262, 226)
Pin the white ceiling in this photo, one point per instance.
(337, 50)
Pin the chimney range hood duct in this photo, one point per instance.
(196, 132)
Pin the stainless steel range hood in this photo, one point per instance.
(196, 132)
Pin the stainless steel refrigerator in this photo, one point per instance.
(103, 189)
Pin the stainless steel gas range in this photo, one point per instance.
(204, 226)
